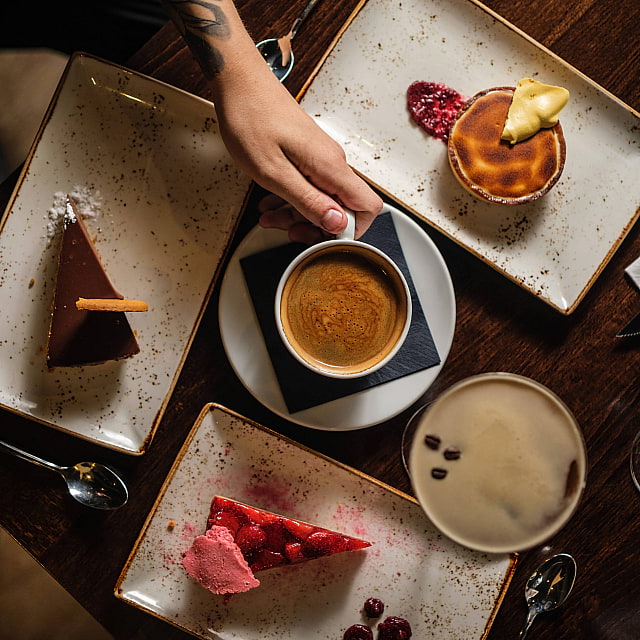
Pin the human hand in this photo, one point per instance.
(275, 142)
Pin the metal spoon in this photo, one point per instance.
(277, 52)
(548, 586)
(90, 483)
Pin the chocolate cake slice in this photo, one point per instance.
(77, 336)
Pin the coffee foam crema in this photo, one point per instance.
(343, 309)
(498, 463)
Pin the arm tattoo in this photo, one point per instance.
(199, 23)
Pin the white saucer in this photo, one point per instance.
(246, 350)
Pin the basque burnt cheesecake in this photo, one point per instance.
(505, 170)
(241, 539)
(82, 336)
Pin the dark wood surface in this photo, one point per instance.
(499, 328)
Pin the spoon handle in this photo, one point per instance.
(531, 614)
(9, 448)
(308, 8)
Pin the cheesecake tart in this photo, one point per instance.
(494, 169)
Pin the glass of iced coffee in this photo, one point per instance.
(498, 462)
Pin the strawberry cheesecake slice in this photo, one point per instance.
(261, 540)
(269, 540)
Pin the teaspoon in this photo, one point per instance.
(90, 483)
(548, 587)
(277, 52)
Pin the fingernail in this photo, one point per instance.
(332, 221)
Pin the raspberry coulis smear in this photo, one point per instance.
(434, 106)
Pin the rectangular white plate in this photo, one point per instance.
(171, 199)
(445, 591)
(555, 247)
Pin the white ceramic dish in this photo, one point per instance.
(245, 348)
(170, 202)
(555, 247)
(445, 591)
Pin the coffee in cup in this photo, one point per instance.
(498, 462)
(343, 308)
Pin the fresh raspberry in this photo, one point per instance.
(394, 628)
(358, 632)
(250, 538)
(373, 608)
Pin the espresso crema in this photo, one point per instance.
(498, 463)
(343, 309)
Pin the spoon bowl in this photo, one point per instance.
(90, 483)
(277, 52)
(548, 587)
(272, 52)
(94, 485)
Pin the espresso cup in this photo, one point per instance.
(343, 307)
(497, 462)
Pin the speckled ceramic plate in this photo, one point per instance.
(170, 198)
(445, 591)
(555, 247)
(245, 347)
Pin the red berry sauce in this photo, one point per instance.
(434, 107)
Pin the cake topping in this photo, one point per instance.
(111, 304)
(217, 563)
(534, 106)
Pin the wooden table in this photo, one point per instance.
(499, 327)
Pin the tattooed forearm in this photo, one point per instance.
(200, 22)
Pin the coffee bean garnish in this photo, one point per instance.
(433, 442)
(451, 453)
(438, 473)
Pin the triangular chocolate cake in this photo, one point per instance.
(81, 337)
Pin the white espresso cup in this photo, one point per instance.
(342, 307)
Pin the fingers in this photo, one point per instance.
(277, 214)
(354, 193)
(315, 205)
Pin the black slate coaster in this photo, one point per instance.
(302, 388)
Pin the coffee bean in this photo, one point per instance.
(433, 442)
(451, 453)
(438, 473)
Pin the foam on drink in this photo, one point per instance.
(519, 465)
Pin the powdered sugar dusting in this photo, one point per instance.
(87, 199)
